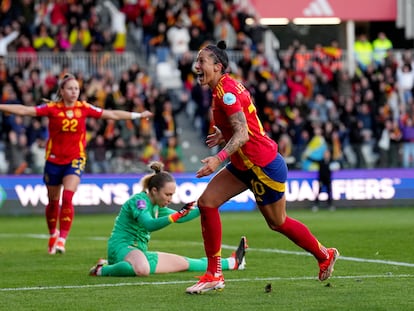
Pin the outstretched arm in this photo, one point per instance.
(125, 115)
(194, 212)
(168, 216)
(19, 110)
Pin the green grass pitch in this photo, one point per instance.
(375, 270)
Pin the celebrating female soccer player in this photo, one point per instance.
(143, 213)
(255, 164)
(65, 151)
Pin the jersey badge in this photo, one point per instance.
(229, 98)
(141, 204)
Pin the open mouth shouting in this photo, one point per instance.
(200, 77)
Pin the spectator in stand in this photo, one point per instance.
(195, 14)
(150, 151)
(286, 148)
(389, 135)
(42, 13)
(43, 41)
(168, 122)
(201, 96)
(256, 32)
(343, 85)
(395, 145)
(58, 14)
(185, 65)
(7, 36)
(334, 53)
(80, 37)
(381, 46)
(242, 40)
(26, 53)
(179, 38)
(296, 85)
(172, 155)
(159, 45)
(363, 52)
(15, 132)
(297, 130)
(198, 38)
(366, 126)
(301, 58)
(245, 63)
(37, 135)
(78, 11)
(118, 26)
(99, 155)
(18, 150)
(407, 129)
(279, 89)
(27, 17)
(314, 150)
(224, 30)
(63, 41)
(271, 49)
(321, 106)
(337, 148)
(105, 39)
(132, 11)
(405, 83)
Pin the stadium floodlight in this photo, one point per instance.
(317, 21)
(274, 21)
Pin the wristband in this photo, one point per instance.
(222, 155)
(174, 217)
(135, 115)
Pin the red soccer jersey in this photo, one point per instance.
(67, 130)
(230, 96)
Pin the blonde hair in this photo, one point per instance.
(67, 77)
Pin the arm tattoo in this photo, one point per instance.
(240, 133)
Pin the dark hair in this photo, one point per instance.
(157, 179)
(218, 53)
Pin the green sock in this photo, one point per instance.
(122, 268)
(201, 264)
(225, 264)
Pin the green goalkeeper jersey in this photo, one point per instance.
(138, 217)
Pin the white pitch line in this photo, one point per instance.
(225, 246)
(379, 261)
(359, 277)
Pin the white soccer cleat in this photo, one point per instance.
(206, 283)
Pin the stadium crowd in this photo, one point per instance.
(305, 96)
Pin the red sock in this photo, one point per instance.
(300, 234)
(212, 233)
(67, 213)
(52, 214)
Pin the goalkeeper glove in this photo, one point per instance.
(182, 212)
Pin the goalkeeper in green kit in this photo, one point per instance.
(144, 213)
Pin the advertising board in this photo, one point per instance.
(27, 194)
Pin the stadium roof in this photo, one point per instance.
(356, 10)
